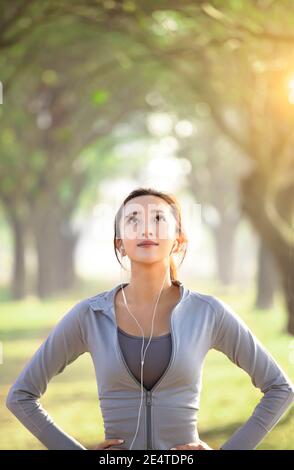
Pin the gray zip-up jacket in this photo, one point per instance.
(198, 323)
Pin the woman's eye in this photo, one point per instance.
(158, 217)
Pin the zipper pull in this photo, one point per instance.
(149, 400)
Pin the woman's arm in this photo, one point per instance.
(233, 337)
(64, 344)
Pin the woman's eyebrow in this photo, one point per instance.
(138, 212)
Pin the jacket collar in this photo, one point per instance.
(105, 300)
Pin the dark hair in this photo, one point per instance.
(172, 201)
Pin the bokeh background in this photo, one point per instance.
(191, 97)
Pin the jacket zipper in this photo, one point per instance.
(148, 393)
(148, 416)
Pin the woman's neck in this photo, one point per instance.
(145, 284)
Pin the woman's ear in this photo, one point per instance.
(179, 245)
(175, 246)
(122, 250)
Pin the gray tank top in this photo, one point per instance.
(157, 356)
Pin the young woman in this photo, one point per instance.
(150, 393)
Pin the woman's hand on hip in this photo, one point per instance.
(199, 445)
(108, 444)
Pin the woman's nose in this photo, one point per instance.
(147, 232)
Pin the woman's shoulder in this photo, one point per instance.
(219, 307)
(209, 302)
(80, 313)
(95, 302)
(99, 301)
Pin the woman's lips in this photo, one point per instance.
(146, 245)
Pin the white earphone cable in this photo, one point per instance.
(142, 355)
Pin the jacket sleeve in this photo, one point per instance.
(65, 343)
(233, 337)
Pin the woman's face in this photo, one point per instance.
(150, 218)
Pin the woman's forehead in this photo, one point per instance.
(146, 205)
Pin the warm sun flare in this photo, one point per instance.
(291, 90)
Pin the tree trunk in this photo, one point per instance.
(224, 236)
(65, 260)
(18, 288)
(46, 255)
(288, 285)
(253, 204)
(267, 277)
(55, 252)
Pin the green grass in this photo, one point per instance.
(227, 399)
